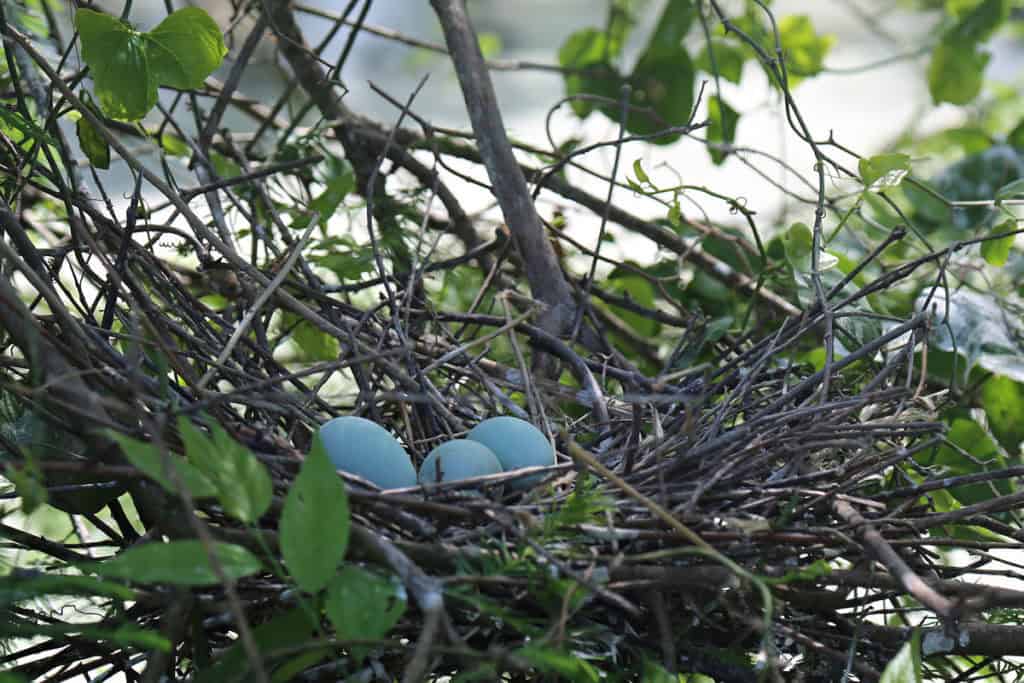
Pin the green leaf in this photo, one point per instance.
(314, 524)
(326, 203)
(798, 243)
(672, 27)
(95, 146)
(243, 486)
(996, 250)
(28, 486)
(883, 171)
(314, 344)
(289, 630)
(640, 173)
(565, 664)
(149, 459)
(662, 81)
(641, 292)
(728, 60)
(18, 588)
(490, 44)
(1003, 401)
(182, 563)
(185, 48)
(978, 24)
(118, 60)
(362, 605)
(804, 49)
(1014, 189)
(589, 53)
(956, 72)
(722, 128)
(905, 667)
(174, 146)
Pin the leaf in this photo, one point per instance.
(242, 483)
(980, 22)
(905, 667)
(662, 81)
(314, 344)
(185, 48)
(28, 486)
(182, 563)
(803, 48)
(641, 292)
(289, 630)
(14, 588)
(640, 173)
(588, 53)
(566, 664)
(174, 146)
(95, 146)
(148, 458)
(117, 58)
(1014, 189)
(798, 243)
(1003, 401)
(883, 171)
(672, 27)
(728, 60)
(996, 250)
(722, 128)
(955, 72)
(362, 605)
(314, 524)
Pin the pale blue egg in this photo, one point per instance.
(458, 459)
(517, 443)
(365, 449)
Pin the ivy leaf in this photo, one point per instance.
(883, 171)
(1003, 401)
(314, 524)
(182, 563)
(996, 250)
(798, 243)
(362, 605)
(955, 72)
(722, 128)
(243, 486)
(119, 63)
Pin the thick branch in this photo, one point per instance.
(539, 259)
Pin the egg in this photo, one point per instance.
(458, 459)
(517, 443)
(365, 449)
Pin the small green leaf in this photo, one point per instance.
(722, 128)
(95, 146)
(314, 524)
(905, 667)
(243, 486)
(314, 344)
(980, 22)
(1010, 190)
(28, 486)
(149, 459)
(15, 588)
(996, 250)
(883, 171)
(956, 72)
(185, 48)
(640, 173)
(174, 146)
(490, 44)
(117, 58)
(362, 605)
(182, 563)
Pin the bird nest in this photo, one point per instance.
(745, 506)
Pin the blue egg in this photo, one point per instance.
(517, 443)
(365, 449)
(459, 459)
